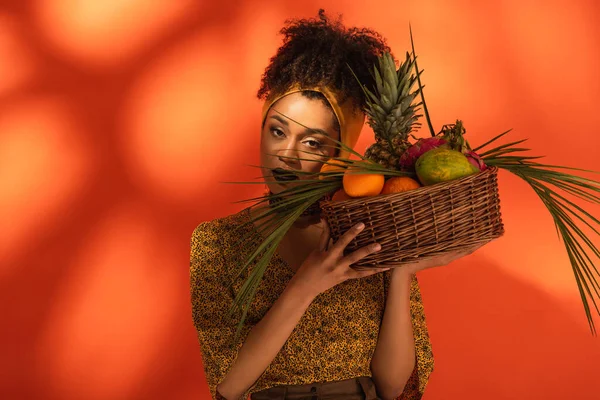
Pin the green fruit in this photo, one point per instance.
(443, 165)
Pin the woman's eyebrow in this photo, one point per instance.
(307, 130)
(280, 119)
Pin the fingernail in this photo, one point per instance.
(376, 247)
(360, 225)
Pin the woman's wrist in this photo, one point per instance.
(404, 272)
(301, 291)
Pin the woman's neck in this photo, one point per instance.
(302, 223)
(305, 221)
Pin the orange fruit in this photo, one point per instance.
(332, 166)
(340, 195)
(399, 184)
(362, 184)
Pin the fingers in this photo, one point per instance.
(418, 265)
(367, 272)
(325, 236)
(444, 259)
(347, 237)
(359, 254)
(465, 252)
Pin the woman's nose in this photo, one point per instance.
(289, 154)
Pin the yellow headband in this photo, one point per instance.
(351, 120)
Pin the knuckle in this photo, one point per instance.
(347, 237)
(357, 256)
(348, 260)
(331, 269)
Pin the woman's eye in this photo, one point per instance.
(277, 132)
(313, 143)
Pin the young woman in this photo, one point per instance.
(317, 328)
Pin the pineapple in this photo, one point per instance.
(390, 110)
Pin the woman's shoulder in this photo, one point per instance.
(222, 239)
(217, 229)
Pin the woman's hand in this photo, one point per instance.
(437, 261)
(324, 268)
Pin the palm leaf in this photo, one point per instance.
(492, 140)
(539, 176)
(564, 212)
(412, 44)
(263, 254)
(277, 219)
(274, 221)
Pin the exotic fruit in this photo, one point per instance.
(475, 160)
(443, 165)
(422, 146)
(392, 111)
(454, 135)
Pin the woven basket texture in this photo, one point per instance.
(423, 222)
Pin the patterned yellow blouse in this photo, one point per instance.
(335, 338)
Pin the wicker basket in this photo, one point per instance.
(423, 222)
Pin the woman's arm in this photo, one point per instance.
(231, 368)
(394, 357)
(264, 341)
(322, 270)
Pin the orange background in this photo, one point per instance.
(119, 119)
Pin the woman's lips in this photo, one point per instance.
(284, 175)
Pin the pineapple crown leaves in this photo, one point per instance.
(391, 107)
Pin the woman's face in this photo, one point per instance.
(295, 125)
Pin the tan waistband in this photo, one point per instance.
(361, 388)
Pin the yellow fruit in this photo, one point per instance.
(443, 165)
(332, 166)
(399, 184)
(362, 184)
(340, 195)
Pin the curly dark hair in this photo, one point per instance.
(319, 51)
